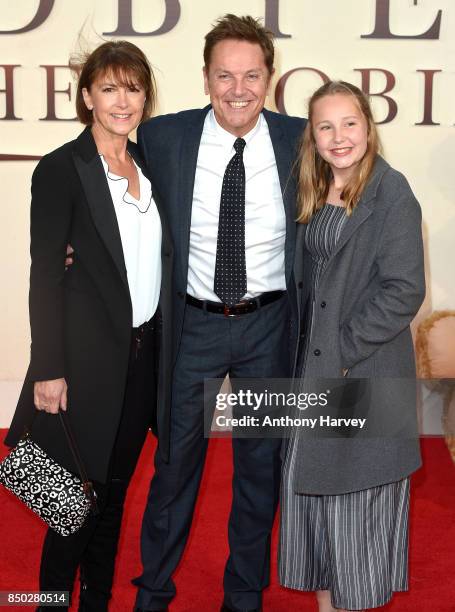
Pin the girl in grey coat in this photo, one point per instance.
(360, 280)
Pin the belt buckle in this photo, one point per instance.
(227, 311)
(242, 304)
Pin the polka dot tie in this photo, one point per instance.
(230, 267)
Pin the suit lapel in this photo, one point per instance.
(283, 150)
(188, 161)
(96, 189)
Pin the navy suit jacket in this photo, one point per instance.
(170, 146)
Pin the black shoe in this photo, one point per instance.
(225, 608)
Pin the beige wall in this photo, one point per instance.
(326, 34)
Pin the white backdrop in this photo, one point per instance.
(323, 35)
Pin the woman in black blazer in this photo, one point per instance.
(95, 327)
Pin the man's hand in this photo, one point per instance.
(50, 395)
(69, 259)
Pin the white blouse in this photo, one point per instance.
(140, 231)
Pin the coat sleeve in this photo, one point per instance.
(400, 266)
(50, 221)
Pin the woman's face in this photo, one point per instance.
(340, 131)
(116, 108)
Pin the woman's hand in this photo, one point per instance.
(50, 395)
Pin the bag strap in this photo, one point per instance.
(87, 485)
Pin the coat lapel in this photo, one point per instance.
(359, 215)
(361, 212)
(365, 206)
(188, 162)
(96, 189)
(284, 157)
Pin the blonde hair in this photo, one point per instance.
(315, 174)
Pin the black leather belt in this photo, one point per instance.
(243, 307)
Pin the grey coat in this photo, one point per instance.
(370, 290)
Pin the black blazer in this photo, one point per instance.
(81, 319)
(170, 146)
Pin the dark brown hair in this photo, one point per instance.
(315, 173)
(120, 59)
(231, 27)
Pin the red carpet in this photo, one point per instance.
(198, 580)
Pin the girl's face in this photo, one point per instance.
(340, 131)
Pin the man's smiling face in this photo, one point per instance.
(237, 81)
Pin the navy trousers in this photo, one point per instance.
(253, 345)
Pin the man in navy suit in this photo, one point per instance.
(189, 157)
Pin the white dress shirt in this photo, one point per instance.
(140, 231)
(265, 221)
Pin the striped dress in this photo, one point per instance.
(355, 545)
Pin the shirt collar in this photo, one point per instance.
(228, 139)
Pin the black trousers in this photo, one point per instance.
(252, 345)
(93, 548)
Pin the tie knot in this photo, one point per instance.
(239, 145)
